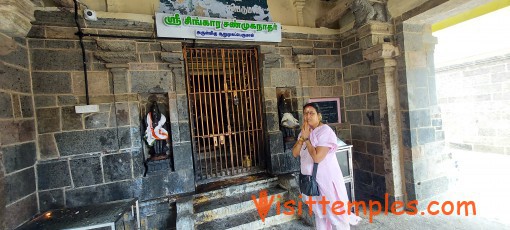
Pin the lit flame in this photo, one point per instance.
(47, 215)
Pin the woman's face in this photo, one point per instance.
(311, 116)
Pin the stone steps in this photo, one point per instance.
(236, 189)
(206, 176)
(248, 220)
(233, 207)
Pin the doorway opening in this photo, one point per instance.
(472, 61)
(224, 100)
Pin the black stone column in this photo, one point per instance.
(18, 201)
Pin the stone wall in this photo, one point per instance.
(363, 114)
(310, 64)
(18, 198)
(98, 157)
(426, 162)
(474, 101)
(366, 109)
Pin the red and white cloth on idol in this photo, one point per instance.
(155, 133)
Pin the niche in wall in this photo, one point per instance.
(156, 133)
(288, 115)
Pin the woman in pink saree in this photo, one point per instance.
(318, 143)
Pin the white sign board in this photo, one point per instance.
(194, 27)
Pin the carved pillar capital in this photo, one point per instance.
(381, 50)
(305, 61)
(119, 77)
(375, 28)
(384, 63)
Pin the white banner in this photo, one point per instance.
(251, 10)
(194, 27)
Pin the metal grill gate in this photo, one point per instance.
(224, 101)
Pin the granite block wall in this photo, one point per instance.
(476, 93)
(51, 157)
(99, 157)
(426, 161)
(362, 113)
(18, 151)
(122, 71)
(310, 65)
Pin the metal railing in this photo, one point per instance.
(225, 110)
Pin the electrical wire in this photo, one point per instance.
(83, 54)
(84, 58)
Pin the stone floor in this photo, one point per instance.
(411, 222)
(482, 177)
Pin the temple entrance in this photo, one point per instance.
(224, 101)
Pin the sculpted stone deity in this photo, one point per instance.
(155, 134)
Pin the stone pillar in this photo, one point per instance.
(391, 137)
(173, 57)
(276, 72)
(2, 189)
(7, 46)
(120, 89)
(117, 54)
(427, 163)
(306, 65)
(185, 218)
(17, 183)
(119, 77)
(381, 52)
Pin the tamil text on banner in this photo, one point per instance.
(253, 10)
(194, 27)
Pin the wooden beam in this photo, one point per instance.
(334, 14)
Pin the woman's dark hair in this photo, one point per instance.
(313, 105)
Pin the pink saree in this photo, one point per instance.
(329, 177)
